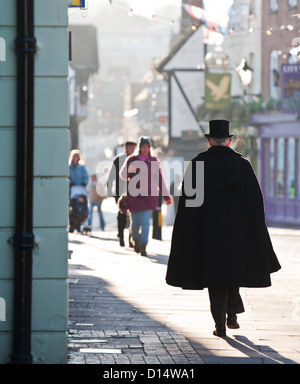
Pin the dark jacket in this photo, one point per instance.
(225, 241)
(114, 178)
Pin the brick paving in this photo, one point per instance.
(122, 312)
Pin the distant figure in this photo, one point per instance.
(223, 243)
(114, 182)
(78, 178)
(96, 196)
(146, 168)
(77, 172)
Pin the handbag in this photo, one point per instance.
(123, 203)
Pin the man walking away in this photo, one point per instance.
(222, 244)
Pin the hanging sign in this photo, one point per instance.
(290, 87)
(217, 90)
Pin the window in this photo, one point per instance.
(292, 3)
(273, 5)
(252, 7)
(274, 75)
(290, 175)
(270, 166)
(280, 167)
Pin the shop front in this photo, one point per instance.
(279, 166)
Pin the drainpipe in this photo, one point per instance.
(23, 241)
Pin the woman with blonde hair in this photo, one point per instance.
(78, 178)
(77, 172)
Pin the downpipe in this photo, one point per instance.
(23, 240)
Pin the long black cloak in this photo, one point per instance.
(224, 241)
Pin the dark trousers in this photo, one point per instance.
(224, 300)
(122, 222)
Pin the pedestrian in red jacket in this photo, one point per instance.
(144, 183)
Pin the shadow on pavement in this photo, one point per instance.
(264, 352)
(98, 319)
(95, 309)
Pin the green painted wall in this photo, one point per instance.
(51, 149)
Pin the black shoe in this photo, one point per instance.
(137, 247)
(232, 322)
(143, 249)
(122, 244)
(220, 331)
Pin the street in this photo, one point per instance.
(121, 311)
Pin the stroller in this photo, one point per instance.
(78, 208)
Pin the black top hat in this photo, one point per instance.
(219, 128)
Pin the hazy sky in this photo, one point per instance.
(149, 7)
(217, 5)
(144, 8)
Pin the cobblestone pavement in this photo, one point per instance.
(122, 312)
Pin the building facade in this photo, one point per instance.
(279, 130)
(49, 309)
(279, 166)
(266, 35)
(280, 26)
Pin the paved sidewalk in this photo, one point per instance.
(122, 312)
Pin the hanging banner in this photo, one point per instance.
(290, 87)
(215, 24)
(217, 90)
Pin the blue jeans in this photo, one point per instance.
(140, 220)
(101, 218)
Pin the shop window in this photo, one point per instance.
(270, 166)
(280, 168)
(290, 174)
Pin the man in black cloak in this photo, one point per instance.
(221, 242)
